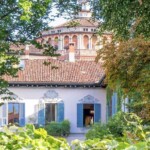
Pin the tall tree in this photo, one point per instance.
(127, 57)
(20, 22)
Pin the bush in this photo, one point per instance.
(65, 126)
(98, 130)
(58, 129)
(116, 126)
(17, 138)
(133, 135)
(53, 128)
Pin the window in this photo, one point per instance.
(85, 29)
(50, 112)
(22, 64)
(87, 114)
(12, 113)
(52, 32)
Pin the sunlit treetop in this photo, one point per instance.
(125, 18)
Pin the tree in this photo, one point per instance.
(20, 22)
(124, 18)
(127, 57)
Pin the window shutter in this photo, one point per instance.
(60, 112)
(4, 111)
(79, 115)
(22, 114)
(97, 112)
(114, 104)
(41, 114)
(1, 116)
(36, 110)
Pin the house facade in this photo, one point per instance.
(43, 105)
(41, 94)
(71, 87)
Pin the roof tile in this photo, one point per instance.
(81, 72)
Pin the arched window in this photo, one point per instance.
(86, 42)
(75, 40)
(42, 41)
(66, 42)
(56, 42)
(49, 41)
(94, 40)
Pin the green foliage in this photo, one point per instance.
(21, 21)
(65, 125)
(115, 126)
(126, 58)
(98, 130)
(29, 138)
(123, 17)
(129, 71)
(58, 129)
(133, 135)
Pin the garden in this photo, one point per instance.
(124, 131)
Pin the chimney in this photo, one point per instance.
(71, 52)
(27, 48)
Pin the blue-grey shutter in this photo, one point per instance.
(60, 112)
(0, 116)
(41, 114)
(114, 104)
(4, 114)
(22, 114)
(79, 115)
(97, 112)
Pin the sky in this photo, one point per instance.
(57, 21)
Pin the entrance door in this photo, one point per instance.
(88, 114)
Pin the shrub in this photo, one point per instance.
(53, 128)
(116, 126)
(98, 130)
(58, 129)
(65, 126)
(29, 138)
(133, 136)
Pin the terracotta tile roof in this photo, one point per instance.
(81, 72)
(82, 23)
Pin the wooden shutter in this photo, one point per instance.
(36, 110)
(114, 104)
(79, 115)
(1, 116)
(4, 114)
(41, 114)
(21, 114)
(60, 112)
(97, 112)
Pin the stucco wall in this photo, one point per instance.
(70, 96)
